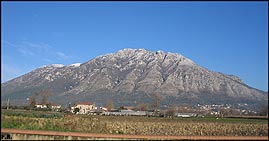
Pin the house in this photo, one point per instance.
(55, 107)
(186, 115)
(98, 111)
(41, 106)
(83, 108)
(133, 113)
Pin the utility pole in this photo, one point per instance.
(7, 103)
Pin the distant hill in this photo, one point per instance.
(132, 76)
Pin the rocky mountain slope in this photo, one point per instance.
(131, 76)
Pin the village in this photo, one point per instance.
(90, 108)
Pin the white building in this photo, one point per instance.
(41, 106)
(55, 107)
(84, 107)
(186, 115)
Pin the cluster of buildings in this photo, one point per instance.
(89, 108)
(78, 108)
(54, 107)
(228, 109)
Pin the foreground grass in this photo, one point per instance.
(36, 120)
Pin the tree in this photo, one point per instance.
(110, 105)
(142, 106)
(32, 101)
(225, 112)
(171, 111)
(264, 109)
(183, 109)
(44, 100)
(156, 102)
(122, 108)
(45, 94)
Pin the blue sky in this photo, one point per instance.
(228, 37)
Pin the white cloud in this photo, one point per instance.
(62, 56)
(8, 43)
(25, 52)
(31, 49)
(12, 68)
(41, 47)
(41, 53)
(45, 50)
(9, 72)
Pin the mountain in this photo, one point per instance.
(132, 76)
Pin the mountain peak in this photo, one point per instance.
(160, 54)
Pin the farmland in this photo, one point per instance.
(208, 126)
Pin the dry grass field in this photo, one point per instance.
(37, 120)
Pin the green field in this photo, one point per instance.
(41, 120)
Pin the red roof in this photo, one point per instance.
(85, 103)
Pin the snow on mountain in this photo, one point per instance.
(57, 65)
(53, 65)
(75, 65)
